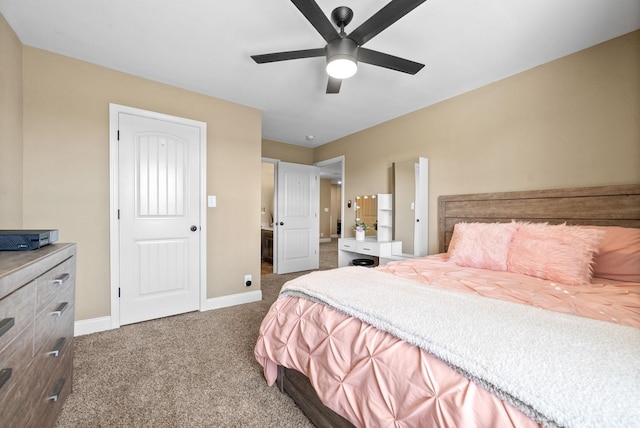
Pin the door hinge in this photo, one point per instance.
(118, 292)
(118, 136)
(118, 214)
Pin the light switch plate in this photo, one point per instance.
(211, 201)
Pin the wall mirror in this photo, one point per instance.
(366, 207)
(411, 205)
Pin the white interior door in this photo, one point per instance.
(297, 223)
(159, 217)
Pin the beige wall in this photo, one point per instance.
(287, 152)
(10, 128)
(571, 122)
(66, 139)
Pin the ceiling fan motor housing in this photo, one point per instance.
(344, 48)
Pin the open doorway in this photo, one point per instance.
(331, 173)
(330, 199)
(266, 217)
(331, 210)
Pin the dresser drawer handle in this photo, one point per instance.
(366, 249)
(60, 309)
(6, 324)
(5, 374)
(56, 390)
(346, 246)
(56, 350)
(61, 279)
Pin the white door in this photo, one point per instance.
(297, 223)
(159, 217)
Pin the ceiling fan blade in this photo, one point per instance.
(333, 86)
(386, 16)
(284, 56)
(317, 18)
(388, 61)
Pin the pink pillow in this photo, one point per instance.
(481, 245)
(618, 257)
(558, 253)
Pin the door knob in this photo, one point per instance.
(281, 224)
(194, 228)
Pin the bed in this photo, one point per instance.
(528, 316)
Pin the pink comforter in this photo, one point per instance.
(374, 379)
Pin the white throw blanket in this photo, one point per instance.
(559, 369)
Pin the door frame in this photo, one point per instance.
(114, 240)
(275, 163)
(338, 159)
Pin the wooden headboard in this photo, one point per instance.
(602, 206)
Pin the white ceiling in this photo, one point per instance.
(205, 46)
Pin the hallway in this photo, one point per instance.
(328, 258)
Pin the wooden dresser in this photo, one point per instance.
(37, 302)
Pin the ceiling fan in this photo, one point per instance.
(344, 51)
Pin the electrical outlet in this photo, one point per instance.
(247, 280)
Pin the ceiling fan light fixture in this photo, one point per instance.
(342, 68)
(341, 58)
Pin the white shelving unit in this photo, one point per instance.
(385, 217)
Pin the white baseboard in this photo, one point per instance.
(96, 325)
(232, 300)
(93, 325)
(325, 239)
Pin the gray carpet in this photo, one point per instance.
(190, 370)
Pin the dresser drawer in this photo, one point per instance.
(54, 281)
(55, 379)
(16, 313)
(19, 398)
(14, 361)
(54, 322)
